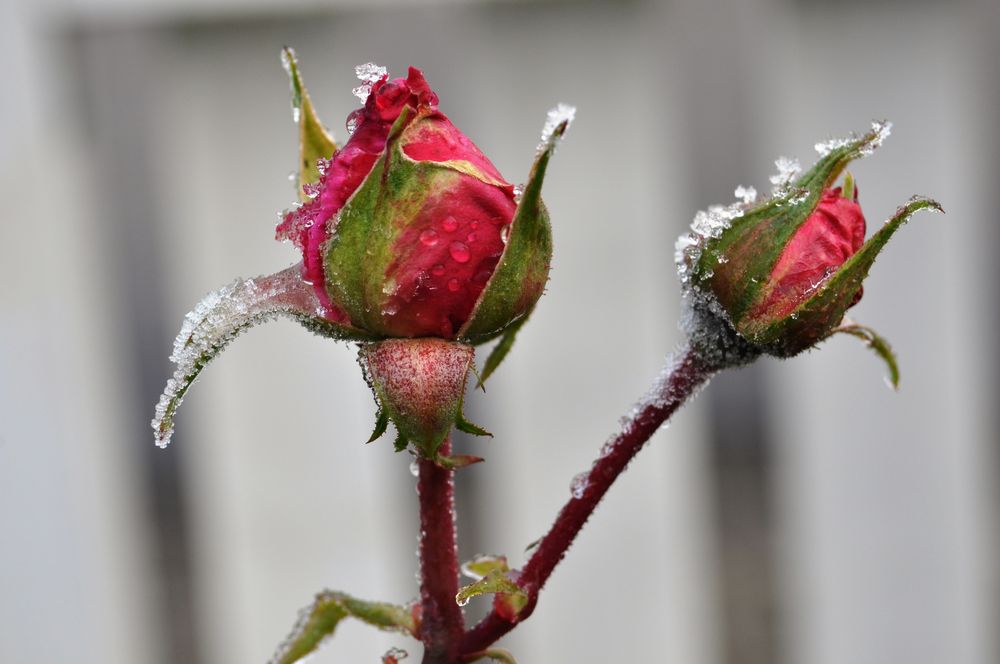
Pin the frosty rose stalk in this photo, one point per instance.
(415, 247)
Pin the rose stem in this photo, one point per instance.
(442, 623)
(686, 374)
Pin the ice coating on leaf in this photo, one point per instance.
(557, 122)
(369, 73)
(221, 316)
(318, 621)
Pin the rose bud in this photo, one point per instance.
(777, 276)
(407, 231)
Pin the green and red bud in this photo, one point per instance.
(782, 273)
(410, 225)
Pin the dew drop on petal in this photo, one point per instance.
(429, 237)
(449, 224)
(459, 252)
(471, 237)
(437, 270)
(453, 284)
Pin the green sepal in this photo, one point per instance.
(503, 347)
(752, 244)
(381, 424)
(816, 318)
(877, 344)
(466, 426)
(225, 314)
(314, 140)
(318, 622)
(456, 461)
(401, 442)
(495, 654)
(520, 276)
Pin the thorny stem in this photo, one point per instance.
(685, 376)
(441, 623)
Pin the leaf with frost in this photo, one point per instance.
(223, 315)
(318, 621)
(315, 142)
(494, 654)
(877, 344)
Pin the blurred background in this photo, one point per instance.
(797, 512)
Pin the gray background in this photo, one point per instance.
(798, 512)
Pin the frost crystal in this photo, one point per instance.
(557, 122)
(220, 318)
(746, 194)
(369, 74)
(788, 169)
(880, 131)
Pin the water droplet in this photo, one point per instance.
(473, 225)
(393, 655)
(459, 252)
(414, 468)
(437, 270)
(453, 284)
(429, 237)
(579, 485)
(391, 308)
(505, 233)
(311, 190)
(471, 237)
(449, 224)
(322, 165)
(461, 601)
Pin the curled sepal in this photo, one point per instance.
(877, 344)
(816, 318)
(520, 276)
(223, 315)
(315, 142)
(500, 351)
(318, 621)
(493, 576)
(420, 385)
(494, 654)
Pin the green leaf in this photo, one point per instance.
(381, 424)
(503, 347)
(877, 344)
(315, 141)
(225, 314)
(495, 654)
(496, 582)
(318, 622)
(400, 443)
(456, 461)
(483, 565)
(465, 425)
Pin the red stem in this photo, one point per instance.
(441, 623)
(681, 381)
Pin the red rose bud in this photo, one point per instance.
(405, 231)
(781, 273)
(410, 231)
